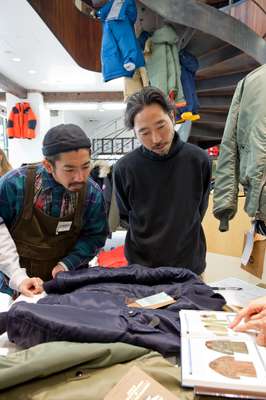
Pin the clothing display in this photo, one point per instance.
(163, 64)
(121, 53)
(33, 206)
(242, 156)
(147, 185)
(64, 370)
(90, 305)
(21, 122)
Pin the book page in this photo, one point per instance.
(215, 356)
(207, 323)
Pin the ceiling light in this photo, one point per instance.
(72, 106)
(32, 71)
(16, 59)
(114, 106)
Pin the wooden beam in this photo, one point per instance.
(84, 97)
(12, 87)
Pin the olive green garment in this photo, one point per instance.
(242, 156)
(67, 371)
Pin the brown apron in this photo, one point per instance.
(39, 243)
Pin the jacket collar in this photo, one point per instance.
(176, 146)
(48, 181)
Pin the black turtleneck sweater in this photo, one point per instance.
(163, 199)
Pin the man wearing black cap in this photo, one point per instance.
(53, 211)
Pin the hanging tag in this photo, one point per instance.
(63, 226)
(249, 245)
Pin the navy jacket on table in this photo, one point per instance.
(90, 305)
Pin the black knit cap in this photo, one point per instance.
(63, 138)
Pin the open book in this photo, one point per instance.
(216, 357)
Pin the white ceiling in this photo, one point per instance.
(44, 63)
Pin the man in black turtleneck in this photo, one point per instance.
(162, 188)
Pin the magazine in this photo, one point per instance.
(214, 356)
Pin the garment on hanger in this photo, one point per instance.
(163, 64)
(189, 65)
(21, 122)
(138, 81)
(242, 156)
(121, 53)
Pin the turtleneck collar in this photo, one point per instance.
(176, 145)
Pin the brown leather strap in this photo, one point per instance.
(80, 207)
(29, 192)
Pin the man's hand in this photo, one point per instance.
(58, 268)
(254, 317)
(31, 286)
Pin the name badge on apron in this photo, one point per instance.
(63, 226)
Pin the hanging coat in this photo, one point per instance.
(189, 65)
(163, 63)
(242, 156)
(21, 122)
(121, 53)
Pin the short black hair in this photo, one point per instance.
(52, 159)
(146, 97)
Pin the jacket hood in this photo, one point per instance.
(166, 34)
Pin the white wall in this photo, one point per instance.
(25, 150)
(103, 129)
(68, 117)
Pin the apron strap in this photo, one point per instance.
(80, 206)
(29, 192)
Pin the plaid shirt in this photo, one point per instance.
(54, 200)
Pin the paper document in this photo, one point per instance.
(239, 298)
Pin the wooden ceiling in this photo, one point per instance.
(80, 35)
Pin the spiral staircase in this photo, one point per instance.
(226, 48)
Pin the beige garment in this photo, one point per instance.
(139, 80)
(227, 346)
(231, 368)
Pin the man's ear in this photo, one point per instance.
(172, 116)
(48, 166)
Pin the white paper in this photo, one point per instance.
(197, 356)
(248, 246)
(154, 299)
(239, 298)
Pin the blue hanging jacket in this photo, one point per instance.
(121, 53)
